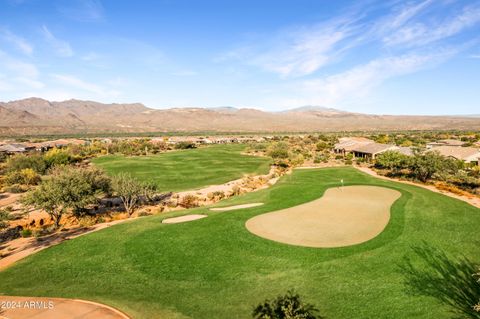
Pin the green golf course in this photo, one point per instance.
(215, 268)
(187, 169)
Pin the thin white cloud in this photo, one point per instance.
(361, 80)
(296, 52)
(62, 48)
(17, 67)
(421, 33)
(306, 50)
(79, 84)
(18, 73)
(19, 43)
(475, 56)
(34, 84)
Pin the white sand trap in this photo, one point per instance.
(182, 219)
(224, 209)
(341, 217)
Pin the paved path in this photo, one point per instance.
(55, 308)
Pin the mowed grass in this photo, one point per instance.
(187, 169)
(214, 268)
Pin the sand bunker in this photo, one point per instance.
(182, 219)
(341, 217)
(224, 209)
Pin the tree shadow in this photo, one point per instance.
(431, 272)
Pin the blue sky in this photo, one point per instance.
(386, 57)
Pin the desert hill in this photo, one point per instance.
(39, 116)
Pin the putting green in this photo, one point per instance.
(341, 217)
(216, 268)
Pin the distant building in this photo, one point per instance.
(348, 144)
(362, 147)
(16, 148)
(371, 150)
(469, 155)
(447, 142)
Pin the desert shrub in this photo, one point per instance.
(5, 217)
(321, 157)
(322, 145)
(26, 176)
(26, 233)
(18, 162)
(15, 189)
(87, 221)
(296, 160)
(289, 306)
(189, 201)
(185, 145)
(257, 147)
(278, 150)
(57, 156)
(143, 213)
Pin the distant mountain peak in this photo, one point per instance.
(315, 108)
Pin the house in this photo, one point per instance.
(347, 144)
(16, 148)
(362, 147)
(467, 154)
(447, 142)
(371, 150)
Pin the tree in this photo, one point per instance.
(392, 160)
(67, 188)
(129, 190)
(425, 165)
(289, 306)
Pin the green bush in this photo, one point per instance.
(26, 233)
(35, 162)
(57, 156)
(278, 150)
(185, 145)
(26, 176)
(289, 306)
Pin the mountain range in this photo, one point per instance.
(38, 116)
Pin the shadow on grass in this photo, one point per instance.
(433, 273)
